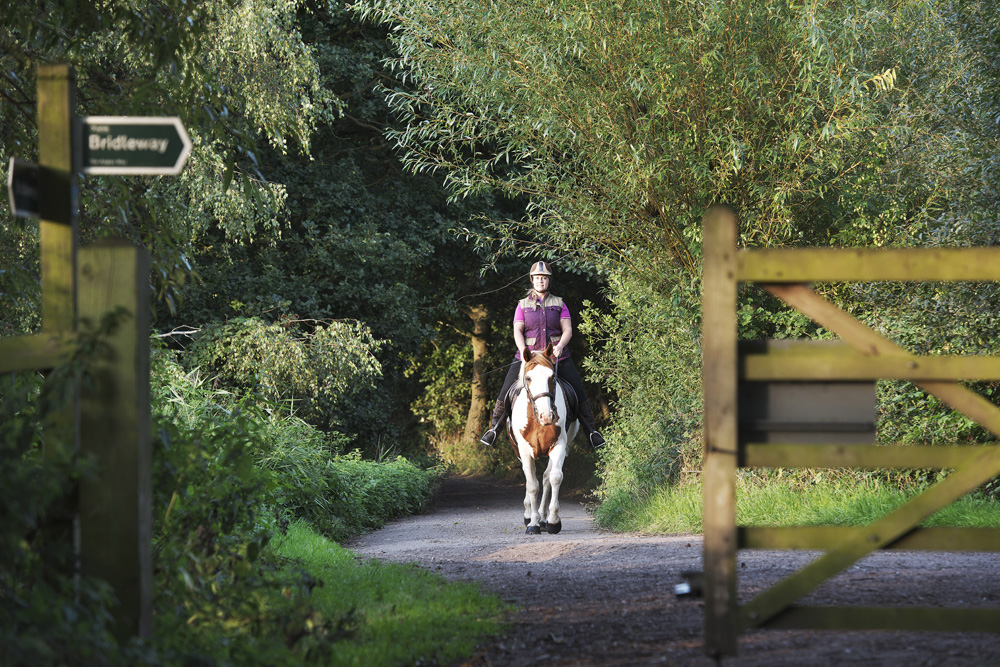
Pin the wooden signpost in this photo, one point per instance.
(108, 418)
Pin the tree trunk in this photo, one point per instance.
(481, 406)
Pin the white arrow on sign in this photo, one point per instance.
(133, 145)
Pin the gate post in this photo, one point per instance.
(719, 454)
(116, 501)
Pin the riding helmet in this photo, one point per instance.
(540, 268)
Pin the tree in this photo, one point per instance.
(356, 238)
(235, 72)
(622, 122)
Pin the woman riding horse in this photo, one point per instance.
(541, 319)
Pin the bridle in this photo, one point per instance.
(550, 394)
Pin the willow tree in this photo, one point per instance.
(621, 121)
(236, 72)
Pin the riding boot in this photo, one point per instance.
(594, 438)
(499, 415)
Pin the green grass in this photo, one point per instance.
(399, 614)
(677, 509)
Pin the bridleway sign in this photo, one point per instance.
(133, 145)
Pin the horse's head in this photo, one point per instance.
(538, 375)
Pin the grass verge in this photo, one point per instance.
(677, 509)
(396, 614)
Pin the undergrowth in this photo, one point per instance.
(231, 474)
(786, 501)
(394, 614)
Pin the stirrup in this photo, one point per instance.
(489, 437)
(596, 440)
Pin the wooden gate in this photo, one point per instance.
(861, 356)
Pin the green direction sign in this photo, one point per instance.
(132, 145)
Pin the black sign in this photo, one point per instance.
(22, 188)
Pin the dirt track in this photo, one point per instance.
(594, 598)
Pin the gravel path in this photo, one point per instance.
(590, 597)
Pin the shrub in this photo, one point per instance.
(47, 616)
(315, 369)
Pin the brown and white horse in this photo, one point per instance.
(540, 426)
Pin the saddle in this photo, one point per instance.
(572, 400)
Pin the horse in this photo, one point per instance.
(540, 425)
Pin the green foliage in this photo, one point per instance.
(784, 498)
(339, 495)
(620, 123)
(231, 473)
(909, 416)
(215, 575)
(444, 395)
(312, 370)
(940, 177)
(357, 238)
(47, 616)
(234, 71)
(360, 491)
(21, 290)
(403, 615)
(823, 123)
(646, 348)
(226, 478)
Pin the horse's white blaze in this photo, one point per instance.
(550, 411)
(537, 382)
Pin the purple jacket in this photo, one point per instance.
(542, 322)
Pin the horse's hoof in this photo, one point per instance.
(553, 528)
(526, 521)
(533, 530)
(543, 525)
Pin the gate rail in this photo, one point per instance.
(862, 355)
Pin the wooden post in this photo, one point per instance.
(116, 503)
(719, 465)
(59, 239)
(57, 195)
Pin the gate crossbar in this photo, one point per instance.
(981, 468)
(859, 335)
(35, 352)
(861, 354)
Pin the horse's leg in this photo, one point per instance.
(553, 480)
(546, 494)
(531, 516)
